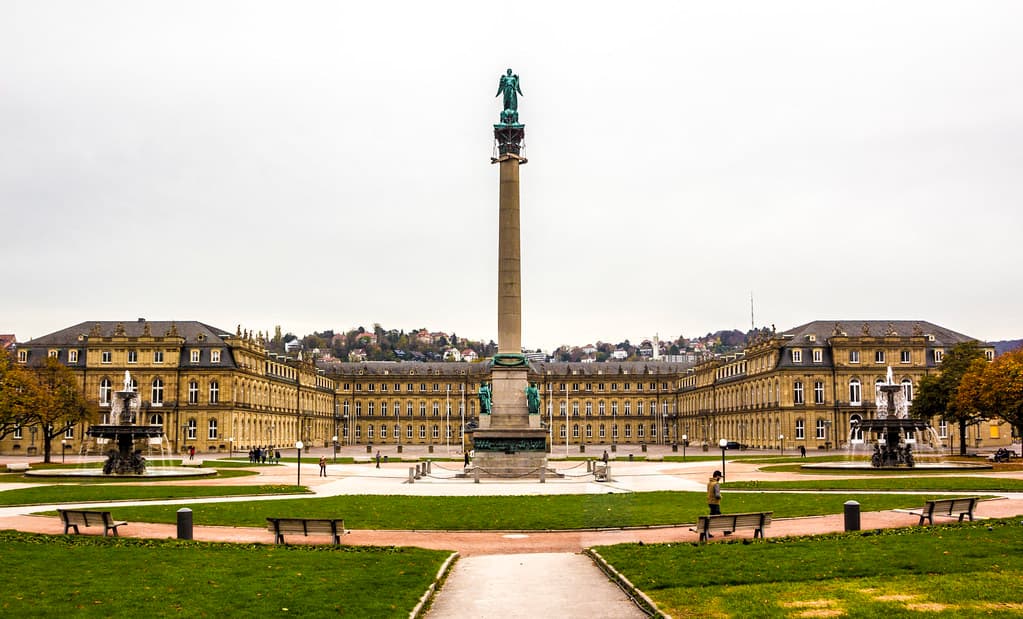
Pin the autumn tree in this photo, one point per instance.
(59, 404)
(18, 393)
(937, 395)
(995, 389)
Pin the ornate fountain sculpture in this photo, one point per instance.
(124, 411)
(891, 421)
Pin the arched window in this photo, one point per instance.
(614, 407)
(855, 392)
(600, 408)
(156, 419)
(104, 392)
(639, 430)
(857, 432)
(589, 409)
(213, 429)
(907, 389)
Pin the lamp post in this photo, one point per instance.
(685, 439)
(337, 420)
(184, 436)
(298, 446)
(723, 444)
(335, 449)
(63, 448)
(827, 424)
(231, 441)
(781, 444)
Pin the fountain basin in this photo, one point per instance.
(156, 472)
(865, 465)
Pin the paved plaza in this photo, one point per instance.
(529, 558)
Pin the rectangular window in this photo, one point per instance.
(214, 356)
(157, 356)
(938, 355)
(371, 410)
(818, 355)
(943, 429)
(133, 356)
(105, 356)
(854, 356)
(70, 432)
(820, 429)
(797, 393)
(52, 354)
(904, 356)
(800, 430)
(372, 387)
(22, 356)
(818, 392)
(797, 355)
(878, 356)
(193, 355)
(72, 356)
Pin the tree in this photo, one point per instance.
(61, 404)
(995, 389)
(937, 396)
(18, 395)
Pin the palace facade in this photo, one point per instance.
(220, 392)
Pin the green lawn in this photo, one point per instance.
(968, 570)
(74, 493)
(514, 513)
(933, 484)
(89, 576)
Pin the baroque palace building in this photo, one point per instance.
(220, 392)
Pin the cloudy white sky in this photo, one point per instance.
(325, 165)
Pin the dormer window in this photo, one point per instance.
(797, 355)
(818, 355)
(193, 355)
(214, 356)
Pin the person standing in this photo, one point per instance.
(323, 466)
(802, 451)
(191, 453)
(378, 458)
(714, 493)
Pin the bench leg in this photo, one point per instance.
(70, 526)
(758, 533)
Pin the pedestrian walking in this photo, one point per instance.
(604, 457)
(191, 452)
(802, 451)
(714, 493)
(378, 458)
(323, 466)
(277, 456)
(467, 458)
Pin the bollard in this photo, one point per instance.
(369, 449)
(430, 448)
(614, 447)
(852, 516)
(399, 448)
(411, 475)
(589, 466)
(582, 449)
(184, 523)
(476, 475)
(643, 446)
(630, 457)
(543, 475)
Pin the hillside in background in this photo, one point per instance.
(1004, 346)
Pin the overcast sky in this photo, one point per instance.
(326, 165)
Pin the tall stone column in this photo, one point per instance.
(509, 283)
(509, 441)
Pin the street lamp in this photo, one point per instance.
(231, 441)
(299, 445)
(63, 448)
(781, 444)
(335, 449)
(723, 443)
(685, 439)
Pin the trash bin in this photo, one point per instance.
(852, 516)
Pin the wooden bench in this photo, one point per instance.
(73, 518)
(17, 467)
(197, 462)
(758, 521)
(280, 527)
(947, 508)
(601, 471)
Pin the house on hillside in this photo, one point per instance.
(7, 341)
(452, 354)
(470, 355)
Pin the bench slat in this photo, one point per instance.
(74, 517)
(949, 508)
(757, 521)
(280, 527)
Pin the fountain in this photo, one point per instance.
(124, 409)
(891, 421)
